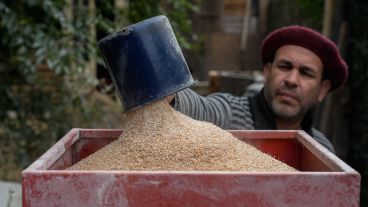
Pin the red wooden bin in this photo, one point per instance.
(323, 180)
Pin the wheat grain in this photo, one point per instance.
(156, 137)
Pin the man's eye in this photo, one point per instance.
(306, 73)
(284, 67)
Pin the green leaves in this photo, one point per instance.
(42, 72)
(38, 32)
(313, 12)
(178, 12)
(45, 81)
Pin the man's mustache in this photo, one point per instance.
(290, 92)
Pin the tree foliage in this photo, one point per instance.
(43, 76)
(312, 11)
(178, 11)
(45, 81)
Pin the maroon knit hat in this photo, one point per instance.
(325, 49)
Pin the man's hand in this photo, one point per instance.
(170, 99)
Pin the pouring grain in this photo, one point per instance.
(156, 137)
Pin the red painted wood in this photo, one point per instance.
(332, 182)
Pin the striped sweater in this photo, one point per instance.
(236, 113)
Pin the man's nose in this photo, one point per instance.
(292, 77)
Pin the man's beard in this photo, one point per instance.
(283, 109)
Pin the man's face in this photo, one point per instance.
(293, 82)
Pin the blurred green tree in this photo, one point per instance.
(45, 72)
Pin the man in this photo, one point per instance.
(300, 67)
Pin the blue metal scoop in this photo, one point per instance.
(145, 62)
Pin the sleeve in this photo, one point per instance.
(319, 137)
(215, 108)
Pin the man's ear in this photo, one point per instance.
(266, 70)
(325, 87)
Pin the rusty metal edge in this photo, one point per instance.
(48, 158)
(327, 157)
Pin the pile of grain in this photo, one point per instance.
(157, 137)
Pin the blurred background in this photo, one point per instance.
(52, 77)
